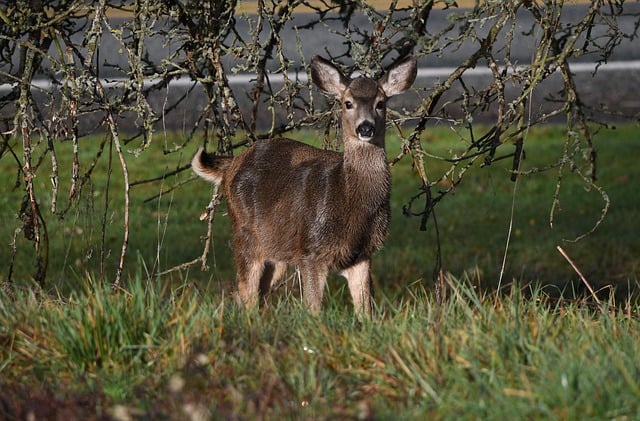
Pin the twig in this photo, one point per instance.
(176, 186)
(105, 210)
(575, 268)
(127, 201)
(179, 267)
(94, 37)
(208, 214)
(178, 170)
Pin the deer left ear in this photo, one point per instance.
(399, 77)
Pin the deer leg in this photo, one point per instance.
(272, 272)
(249, 276)
(279, 269)
(359, 280)
(313, 283)
(265, 279)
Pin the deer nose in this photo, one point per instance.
(366, 129)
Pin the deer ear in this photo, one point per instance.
(400, 77)
(327, 77)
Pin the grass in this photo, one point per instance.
(473, 221)
(178, 347)
(161, 353)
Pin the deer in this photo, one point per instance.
(322, 211)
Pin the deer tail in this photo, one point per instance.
(209, 166)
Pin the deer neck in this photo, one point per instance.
(367, 175)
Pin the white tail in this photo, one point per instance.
(292, 204)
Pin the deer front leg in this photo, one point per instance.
(359, 280)
(313, 282)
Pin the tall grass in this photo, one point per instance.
(156, 352)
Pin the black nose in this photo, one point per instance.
(366, 129)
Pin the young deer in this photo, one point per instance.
(320, 210)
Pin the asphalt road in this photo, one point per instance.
(327, 40)
(616, 85)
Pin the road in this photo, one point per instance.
(327, 39)
(616, 85)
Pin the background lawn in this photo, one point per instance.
(473, 221)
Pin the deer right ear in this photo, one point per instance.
(327, 77)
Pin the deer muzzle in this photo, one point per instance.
(366, 130)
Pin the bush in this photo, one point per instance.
(73, 68)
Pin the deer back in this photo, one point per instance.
(300, 202)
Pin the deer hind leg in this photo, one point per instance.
(279, 269)
(250, 273)
(314, 280)
(271, 273)
(359, 280)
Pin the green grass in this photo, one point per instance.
(473, 221)
(178, 346)
(154, 353)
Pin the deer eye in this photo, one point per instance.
(380, 105)
(348, 105)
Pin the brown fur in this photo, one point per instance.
(290, 203)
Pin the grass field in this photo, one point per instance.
(177, 347)
(473, 221)
(156, 353)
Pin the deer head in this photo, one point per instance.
(364, 100)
